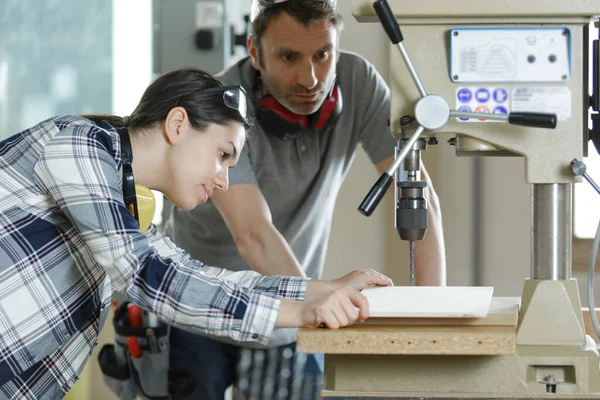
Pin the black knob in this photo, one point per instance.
(406, 121)
(375, 195)
(206, 39)
(536, 120)
(388, 21)
(594, 134)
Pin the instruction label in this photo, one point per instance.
(547, 99)
(513, 54)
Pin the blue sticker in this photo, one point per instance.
(500, 95)
(464, 95)
(500, 110)
(466, 109)
(482, 95)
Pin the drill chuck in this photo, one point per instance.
(411, 223)
(411, 211)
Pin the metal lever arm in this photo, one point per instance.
(536, 120)
(378, 190)
(391, 27)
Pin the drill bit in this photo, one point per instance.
(412, 262)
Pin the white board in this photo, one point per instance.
(429, 301)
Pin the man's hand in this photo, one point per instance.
(358, 280)
(362, 278)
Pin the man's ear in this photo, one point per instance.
(253, 51)
(176, 119)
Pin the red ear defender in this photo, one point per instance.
(330, 110)
(277, 120)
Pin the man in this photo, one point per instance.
(277, 212)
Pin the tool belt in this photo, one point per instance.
(137, 364)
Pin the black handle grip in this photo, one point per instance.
(387, 19)
(595, 99)
(536, 120)
(375, 195)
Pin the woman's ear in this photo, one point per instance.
(176, 119)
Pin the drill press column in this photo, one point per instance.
(551, 231)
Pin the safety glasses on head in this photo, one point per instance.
(234, 97)
(270, 3)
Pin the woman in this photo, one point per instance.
(68, 241)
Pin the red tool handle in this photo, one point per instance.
(134, 347)
(134, 315)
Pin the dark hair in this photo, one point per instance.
(305, 11)
(183, 88)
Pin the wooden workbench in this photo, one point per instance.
(495, 334)
(337, 395)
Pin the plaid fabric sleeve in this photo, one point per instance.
(78, 169)
(293, 288)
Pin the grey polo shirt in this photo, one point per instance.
(299, 178)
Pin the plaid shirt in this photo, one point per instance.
(67, 242)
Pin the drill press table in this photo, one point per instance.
(359, 360)
(494, 334)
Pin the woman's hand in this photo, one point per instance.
(363, 278)
(342, 307)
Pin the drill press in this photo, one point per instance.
(533, 55)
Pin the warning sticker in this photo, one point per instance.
(550, 100)
(482, 100)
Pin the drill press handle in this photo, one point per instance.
(378, 190)
(536, 120)
(388, 21)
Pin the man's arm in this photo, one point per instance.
(247, 215)
(430, 255)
